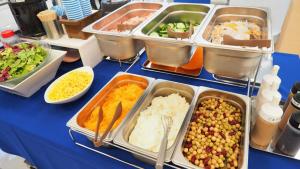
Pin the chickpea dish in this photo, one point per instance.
(214, 135)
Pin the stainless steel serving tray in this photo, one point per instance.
(233, 61)
(120, 45)
(239, 100)
(76, 122)
(170, 51)
(159, 88)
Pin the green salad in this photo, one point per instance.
(18, 60)
(162, 30)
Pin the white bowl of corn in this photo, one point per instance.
(70, 86)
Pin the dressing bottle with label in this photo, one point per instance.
(266, 124)
(295, 89)
(293, 106)
(289, 140)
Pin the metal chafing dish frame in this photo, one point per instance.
(170, 164)
(251, 84)
(112, 144)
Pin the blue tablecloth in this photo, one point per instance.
(37, 131)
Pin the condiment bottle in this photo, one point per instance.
(293, 106)
(269, 82)
(266, 124)
(289, 141)
(9, 38)
(273, 76)
(265, 84)
(266, 95)
(276, 78)
(295, 89)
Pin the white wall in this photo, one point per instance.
(7, 19)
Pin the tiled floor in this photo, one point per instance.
(8, 161)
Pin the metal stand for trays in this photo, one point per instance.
(249, 82)
(130, 61)
(170, 164)
(250, 89)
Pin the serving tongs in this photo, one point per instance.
(167, 123)
(229, 40)
(117, 114)
(181, 35)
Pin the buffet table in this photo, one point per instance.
(37, 131)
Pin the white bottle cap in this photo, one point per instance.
(270, 112)
(275, 70)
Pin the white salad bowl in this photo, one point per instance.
(76, 96)
(37, 79)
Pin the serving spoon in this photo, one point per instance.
(117, 114)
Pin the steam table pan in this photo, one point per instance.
(234, 61)
(121, 45)
(171, 51)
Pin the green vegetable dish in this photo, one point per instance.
(162, 29)
(21, 59)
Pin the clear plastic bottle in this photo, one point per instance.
(266, 124)
(266, 84)
(9, 38)
(273, 76)
(267, 95)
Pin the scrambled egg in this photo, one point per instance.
(128, 94)
(70, 85)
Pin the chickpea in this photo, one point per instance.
(222, 165)
(201, 165)
(212, 133)
(235, 163)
